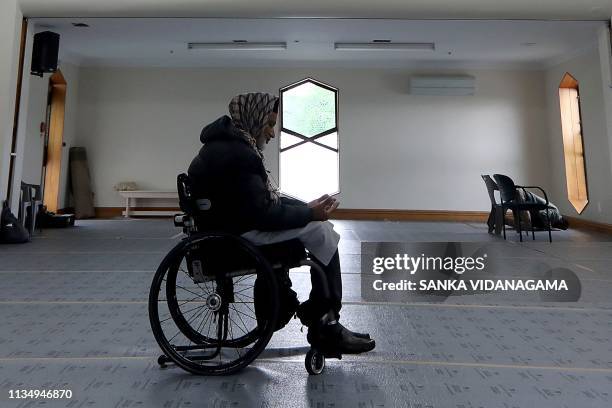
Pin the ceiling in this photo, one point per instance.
(131, 42)
(409, 9)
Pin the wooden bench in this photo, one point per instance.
(147, 194)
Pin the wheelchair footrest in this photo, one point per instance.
(329, 353)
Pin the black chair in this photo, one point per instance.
(510, 200)
(30, 201)
(496, 218)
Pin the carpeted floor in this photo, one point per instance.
(74, 316)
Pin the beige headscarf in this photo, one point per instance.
(248, 113)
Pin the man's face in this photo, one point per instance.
(268, 131)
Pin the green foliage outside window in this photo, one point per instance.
(309, 109)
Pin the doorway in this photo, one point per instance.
(54, 141)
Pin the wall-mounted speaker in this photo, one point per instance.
(44, 53)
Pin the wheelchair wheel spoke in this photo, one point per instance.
(246, 330)
(178, 332)
(193, 293)
(242, 295)
(244, 314)
(242, 278)
(204, 319)
(173, 337)
(249, 307)
(232, 333)
(242, 290)
(192, 309)
(187, 301)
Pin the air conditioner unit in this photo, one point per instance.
(443, 85)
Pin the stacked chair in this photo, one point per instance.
(510, 199)
(30, 201)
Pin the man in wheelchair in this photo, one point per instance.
(229, 170)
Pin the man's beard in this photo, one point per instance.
(261, 142)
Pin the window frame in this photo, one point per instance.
(311, 139)
(573, 181)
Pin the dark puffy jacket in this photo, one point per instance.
(230, 173)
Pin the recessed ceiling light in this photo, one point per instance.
(237, 45)
(384, 46)
(80, 25)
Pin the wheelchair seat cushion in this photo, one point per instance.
(217, 258)
(287, 253)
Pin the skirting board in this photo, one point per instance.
(381, 215)
(347, 214)
(112, 212)
(409, 215)
(579, 223)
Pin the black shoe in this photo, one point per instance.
(334, 338)
(357, 334)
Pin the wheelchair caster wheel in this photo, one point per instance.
(315, 362)
(163, 360)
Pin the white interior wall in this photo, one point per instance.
(28, 167)
(33, 139)
(398, 151)
(586, 69)
(10, 27)
(605, 56)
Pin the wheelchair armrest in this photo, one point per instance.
(183, 220)
(203, 204)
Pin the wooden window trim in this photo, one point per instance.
(573, 142)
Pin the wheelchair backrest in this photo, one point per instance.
(189, 203)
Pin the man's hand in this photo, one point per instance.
(318, 200)
(322, 207)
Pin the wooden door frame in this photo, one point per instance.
(54, 141)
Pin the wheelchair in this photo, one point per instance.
(212, 304)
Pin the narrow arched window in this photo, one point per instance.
(573, 147)
(309, 151)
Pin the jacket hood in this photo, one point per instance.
(220, 129)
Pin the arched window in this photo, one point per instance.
(573, 147)
(309, 159)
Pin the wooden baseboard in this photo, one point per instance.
(383, 215)
(113, 212)
(349, 214)
(410, 215)
(579, 223)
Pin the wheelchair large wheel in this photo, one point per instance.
(205, 322)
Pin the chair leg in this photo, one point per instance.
(532, 229)
(34, 216)
(503, 221)
(499, 221)
(548, 222)
(491, 220)
(520, 231)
